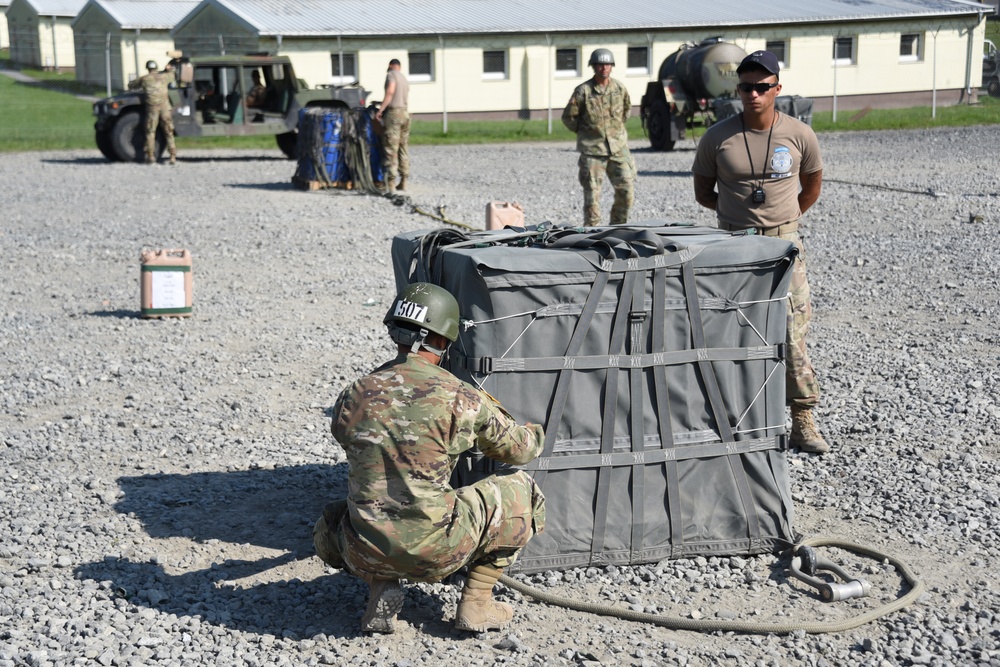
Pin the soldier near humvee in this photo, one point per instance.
(154, 85)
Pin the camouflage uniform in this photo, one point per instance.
(395, 144)
(403, 428)
(597, 116)
(157, 106)
(396, 124)
(801, 385)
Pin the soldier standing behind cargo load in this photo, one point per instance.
(597, 113)
(395, 117)
(769, 172)
(154, 85)
(403, 428)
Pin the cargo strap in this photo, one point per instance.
(653, 456)
(663, 408)
(718, 408)
(487, 365)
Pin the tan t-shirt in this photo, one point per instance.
(400, 98)
(722, 155)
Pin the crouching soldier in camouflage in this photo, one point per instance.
(403, 427)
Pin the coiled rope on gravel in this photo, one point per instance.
(749, 627)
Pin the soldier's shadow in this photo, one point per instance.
(268, 508)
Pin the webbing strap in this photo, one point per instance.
(562, 383)
(719, 413)
(624, 458)
(617, 344)
(487, 365)
(637, 316)
(662, 398)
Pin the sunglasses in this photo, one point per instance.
(759, 88)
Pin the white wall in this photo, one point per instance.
(458, 83)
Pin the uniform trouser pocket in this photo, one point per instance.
(509, 509)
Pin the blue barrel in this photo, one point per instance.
(321, 146)
(374, 143)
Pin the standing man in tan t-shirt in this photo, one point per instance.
(769, 172)
(395, 118)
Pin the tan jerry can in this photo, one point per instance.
(500, 214)
(165, 283)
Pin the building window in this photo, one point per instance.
(421, 65)
(911, 47)
(779, 47)
(494, 64)
(843, 51)
(350, 72)
(567, 62)
(638, 60)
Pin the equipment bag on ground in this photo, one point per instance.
(654, 356)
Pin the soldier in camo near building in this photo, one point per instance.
(769, 172)
(597, 113)
(394, 115)
(154, 85)
(403, 428)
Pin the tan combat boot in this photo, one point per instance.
(385, 599)
(477, 610)
(402, 183)
(805, 435)
(150, 158)
(173, 157)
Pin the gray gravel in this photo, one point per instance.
(160, 477)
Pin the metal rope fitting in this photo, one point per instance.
(806, 563)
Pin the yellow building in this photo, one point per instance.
(40, 32)
(4, 32)
(114, 38)
(522, 58)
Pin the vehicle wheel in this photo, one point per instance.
(659, 128)
(128, 139)
(994, 88)
(104, 145)
(287, 143)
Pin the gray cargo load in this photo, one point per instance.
(653, 355)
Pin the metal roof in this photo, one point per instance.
(63, 8)
(143, 14)
(434, 17)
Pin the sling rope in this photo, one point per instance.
(749, 627)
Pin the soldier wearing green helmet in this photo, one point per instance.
(597, 113)
(403, 427)
(156, 105)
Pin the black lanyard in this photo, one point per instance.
(763, 170)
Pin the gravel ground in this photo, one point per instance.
(160, 477)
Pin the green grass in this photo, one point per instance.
(993, 32)
(47, 116)
(35, 118)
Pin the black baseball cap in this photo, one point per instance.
(764, 60)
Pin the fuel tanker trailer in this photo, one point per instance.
(700, 79)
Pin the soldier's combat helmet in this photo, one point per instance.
(419, 309)
(151, 64)
(602, 57)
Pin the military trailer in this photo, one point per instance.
(209, 99)
(699, 80)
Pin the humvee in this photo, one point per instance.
(209, 100)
